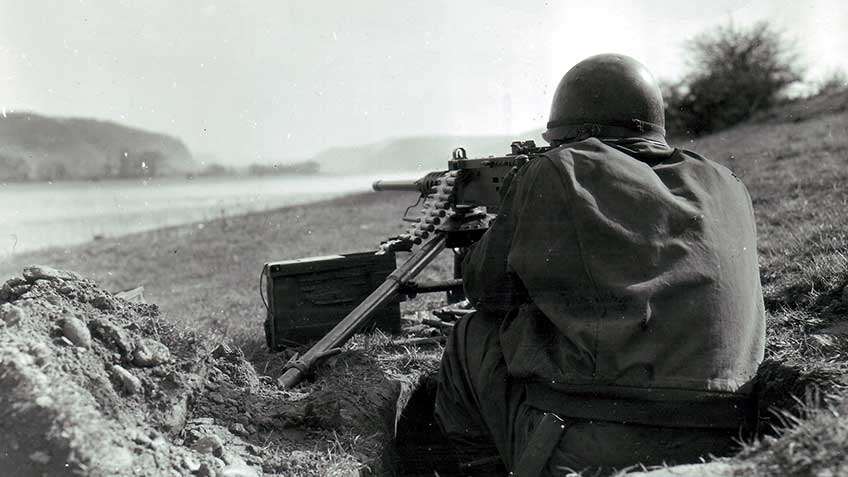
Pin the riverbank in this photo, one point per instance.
(206, 274)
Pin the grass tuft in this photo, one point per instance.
(810, 443)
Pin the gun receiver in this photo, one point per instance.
(479, 179)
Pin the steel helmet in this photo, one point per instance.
(607, 95)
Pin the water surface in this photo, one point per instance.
(38, 215)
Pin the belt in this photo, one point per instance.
(709, 412)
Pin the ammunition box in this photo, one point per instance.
(309, 296)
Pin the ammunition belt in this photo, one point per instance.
(436, 210)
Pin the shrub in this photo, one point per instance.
(734, 72)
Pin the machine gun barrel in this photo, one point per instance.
(397, 185)
(423, 185)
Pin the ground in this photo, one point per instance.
(204, 278)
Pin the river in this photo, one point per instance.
(39, 215)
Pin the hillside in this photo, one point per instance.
(423, 153)
(793, 160)
(205, 276)
(37, 148)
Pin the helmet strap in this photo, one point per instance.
(577, 131)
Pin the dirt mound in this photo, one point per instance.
(92, 384)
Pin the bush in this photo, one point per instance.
(734, 72)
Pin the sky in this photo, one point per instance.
(266, 81)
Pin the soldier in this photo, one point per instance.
(619, 310)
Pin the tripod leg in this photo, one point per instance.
(359, 316)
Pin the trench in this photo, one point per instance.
(421, 449)
(419, 446)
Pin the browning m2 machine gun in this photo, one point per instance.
(308, 296)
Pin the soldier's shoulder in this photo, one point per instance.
(568, 150)
(591, 143)
(699, 160)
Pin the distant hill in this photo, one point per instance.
(413, 153)
(36, 148)
(425, 153)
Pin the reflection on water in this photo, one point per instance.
(39, 215)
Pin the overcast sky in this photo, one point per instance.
(266, 80)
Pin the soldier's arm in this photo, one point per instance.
(488, 282)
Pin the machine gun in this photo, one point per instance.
(458, 205)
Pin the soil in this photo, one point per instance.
(92, 384)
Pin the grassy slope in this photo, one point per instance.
(794, 163)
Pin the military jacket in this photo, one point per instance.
(624, 271)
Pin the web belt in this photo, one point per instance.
(719, 412)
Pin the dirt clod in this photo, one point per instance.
(76, 332)
(239, 429)
(150, 353)
(130, 383)
(222, 351)
(113, 336)
(237, 470)
(41, 352)
(190, 463)
(209, 444)
(11, 314)
(37, 272)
